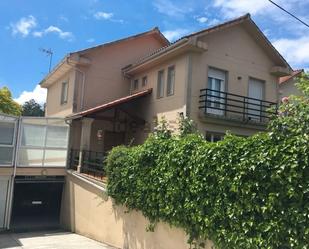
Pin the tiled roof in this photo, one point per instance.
(110, 105)
(208, 30)
(294, 74)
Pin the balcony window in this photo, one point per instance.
(170, 81)
(216, 86)
(160, 84)
(255, 100)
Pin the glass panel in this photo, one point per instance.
(6, 156)
(33, 135)
(57, 136)
(7, 133)
(30, 157)
(56, 158)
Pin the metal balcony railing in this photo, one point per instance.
(92, 162)
(235, 106)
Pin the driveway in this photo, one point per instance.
(48, 240)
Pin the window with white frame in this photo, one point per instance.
(215, 92)
(160, 84)
(170, 81)
(144, 81)
(64, 92)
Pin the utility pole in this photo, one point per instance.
(49, 53)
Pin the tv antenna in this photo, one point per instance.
(49, 53)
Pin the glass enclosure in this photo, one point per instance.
(8, 126)
(43, 142)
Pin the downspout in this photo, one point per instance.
(83, 83)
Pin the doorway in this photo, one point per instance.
(36, 203)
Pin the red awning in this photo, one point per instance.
(110, 105)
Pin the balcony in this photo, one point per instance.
(92, 163)
(233, 107)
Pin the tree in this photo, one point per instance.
(32, 108)
(7, 104)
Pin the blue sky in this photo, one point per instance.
(69, 25)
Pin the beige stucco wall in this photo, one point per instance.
(168, 107)
(87, 210)
(104, 79)
(32, 171)
(54, 108)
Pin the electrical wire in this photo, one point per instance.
(298, 19)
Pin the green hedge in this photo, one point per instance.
(240, 193)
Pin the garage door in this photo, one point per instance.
(36, 203)
(4, 183)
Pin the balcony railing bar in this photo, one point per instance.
(225, 103)
(232, 94)
(231, 105)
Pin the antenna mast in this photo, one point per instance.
(49, 53)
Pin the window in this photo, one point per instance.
(214, 137)
(43, 143)
(64, 93)
(135, 85)
(144, 81)
(7, 140)
(215, 93)
(170, 81)
(160, 85)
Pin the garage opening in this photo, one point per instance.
(36, 203)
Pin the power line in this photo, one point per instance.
(298, 19)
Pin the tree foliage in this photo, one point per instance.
(32, 108)
(7, 104)
(240, 192)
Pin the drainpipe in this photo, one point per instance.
(83, 83)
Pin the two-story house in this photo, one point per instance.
(225, 78)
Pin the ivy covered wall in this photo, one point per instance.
(240, 193)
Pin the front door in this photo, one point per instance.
(256, 89)
(215, 92)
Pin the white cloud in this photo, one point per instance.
(103, 15)
(90, 40)
(202, 19)
(53, 29)
(233, 8)
(38, 94)
(171, 8)
(24, 26)
(296, 50)
(173, 35)
(100, 15)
